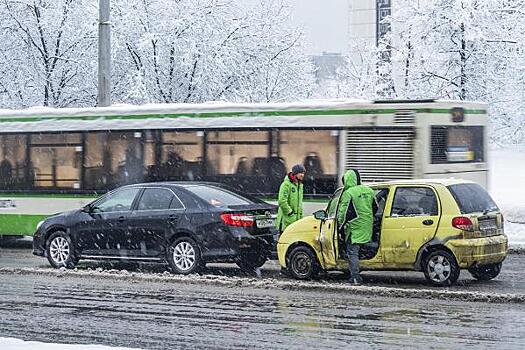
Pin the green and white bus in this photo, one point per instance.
(53, 160)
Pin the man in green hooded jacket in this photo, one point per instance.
(356, 219)
(290, 198)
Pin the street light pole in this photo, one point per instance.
(104, 55)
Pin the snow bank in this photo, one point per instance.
(275, 283)
(507, 187)
(17, 344)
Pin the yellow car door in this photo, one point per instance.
(328, 237)
(411, 220)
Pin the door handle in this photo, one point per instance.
(172, 218)
(428, 222)
(122, 219)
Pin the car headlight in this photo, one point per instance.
(39, 224)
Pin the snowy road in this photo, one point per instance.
(141, 310)
(17, 254)
(158, 315)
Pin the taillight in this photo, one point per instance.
(463, 223)
(238, 220)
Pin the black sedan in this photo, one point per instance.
(183, 224)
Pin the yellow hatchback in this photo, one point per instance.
(434, 226)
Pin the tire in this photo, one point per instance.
(184, 256)
(440, 268)
(250, 263)
(302, 263)
(485, 272)
(60, 251)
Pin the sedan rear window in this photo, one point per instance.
(218, 197)
(472, 198)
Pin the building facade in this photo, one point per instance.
(365, 20)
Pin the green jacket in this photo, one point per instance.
(356, 209)
(290, 203)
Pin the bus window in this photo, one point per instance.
(182, 158)
(55, 160)
(12, 161)
(113, 159)
(317, 151)
(457, 144)
(240, 159)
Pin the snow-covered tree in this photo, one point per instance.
(163, 51)
(198, 50)
(48, 52)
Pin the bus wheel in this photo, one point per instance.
(59, 251)
(485, 272)
(302, 263)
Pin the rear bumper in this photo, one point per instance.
(242, 245)
(487, 250)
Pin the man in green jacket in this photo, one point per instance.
(291, 198)
(356, 219)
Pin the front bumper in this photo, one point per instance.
(282, 248)
(38, 246)
(481, 251)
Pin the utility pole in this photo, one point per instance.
(104, 55)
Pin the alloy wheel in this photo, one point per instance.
(59, 249)
(439, 268)
(184, 256)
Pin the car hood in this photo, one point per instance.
(64, 214)
(306, 227)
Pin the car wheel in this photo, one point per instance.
(302, 263)
(250, 263)
(485, 272)
(440, 268)
(184, 256)
(60, 251)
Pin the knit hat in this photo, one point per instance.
(298, 169)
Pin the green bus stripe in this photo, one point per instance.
(19, 224)
(234, 114)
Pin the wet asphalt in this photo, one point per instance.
(157, 315)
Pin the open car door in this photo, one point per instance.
(328, 235)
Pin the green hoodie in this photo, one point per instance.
(356, 209)
(290, 203)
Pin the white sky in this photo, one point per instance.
(324, 22)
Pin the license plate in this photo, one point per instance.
(264, 223)
(488, 226)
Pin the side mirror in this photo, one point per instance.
(320, 215)
(86, 209)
